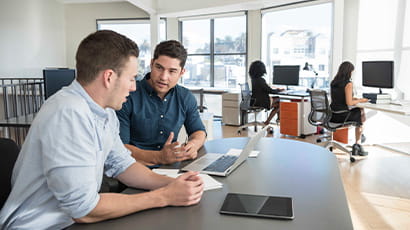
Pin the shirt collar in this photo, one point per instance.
(147, 87)
(95, 108)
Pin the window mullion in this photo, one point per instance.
(212, 52)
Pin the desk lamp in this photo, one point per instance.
(309, 67)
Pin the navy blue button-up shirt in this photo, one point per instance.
(146, 121)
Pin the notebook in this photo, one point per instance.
(223, 164)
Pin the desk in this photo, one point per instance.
(299, 127)
(404, 110)
(304, 171)
(399, 109)
(202, 91)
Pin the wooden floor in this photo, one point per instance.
(377, 187)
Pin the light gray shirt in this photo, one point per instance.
(58, 173)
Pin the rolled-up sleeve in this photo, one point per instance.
(193, 121)
(118, 160)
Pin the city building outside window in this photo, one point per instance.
(296, 35)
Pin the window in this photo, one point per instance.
(296, 35)
(216, 51)
(138, 30)
(389, 40)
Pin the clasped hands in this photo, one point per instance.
(174, 151)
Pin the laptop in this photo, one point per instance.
(223, 164)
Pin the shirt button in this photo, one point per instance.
(165, 99)
(159, 146)
(160, 132)
(162, 116)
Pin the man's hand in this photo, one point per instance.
(172, 152)
(186, 190)
(189, 150)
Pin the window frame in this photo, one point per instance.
(212, 54)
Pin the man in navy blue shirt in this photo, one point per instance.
(152, 116)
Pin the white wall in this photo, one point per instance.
(254, 37)
(172, 29)
(81, 20)
(350, 25)
(32, 36)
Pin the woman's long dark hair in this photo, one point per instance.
(344, 73)
(257, 69)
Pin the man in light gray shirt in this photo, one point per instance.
(74, 139)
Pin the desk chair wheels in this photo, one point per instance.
(270, 130)
(352, 159)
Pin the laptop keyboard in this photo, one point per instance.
(221, 164)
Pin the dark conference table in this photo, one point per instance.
(306, 172)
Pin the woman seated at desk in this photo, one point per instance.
(341, 90)
(261, 91)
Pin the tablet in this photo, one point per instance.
(258, 205)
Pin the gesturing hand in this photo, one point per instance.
(172, 152)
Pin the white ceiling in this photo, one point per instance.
(179, 8)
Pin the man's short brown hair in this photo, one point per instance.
(173, 49)
(104, 49)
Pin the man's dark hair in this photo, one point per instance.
(173, 49)
(104, 49)
(257, 69)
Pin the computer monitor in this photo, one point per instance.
(55, 79)
(286, 75)
(377, 74)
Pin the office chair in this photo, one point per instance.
(320, 116)
(246, 107)
(9, 153)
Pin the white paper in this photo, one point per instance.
(166, 172)
(237, 152)
(209, 182)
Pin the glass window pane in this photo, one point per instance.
(197, 71)
(230, 35)
(296, 36)
(229, 70)
(140, 32)
(377, 24)
(196, 36)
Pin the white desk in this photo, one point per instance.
(403, 147)
(399, 109)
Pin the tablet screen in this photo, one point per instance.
(258, 205)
